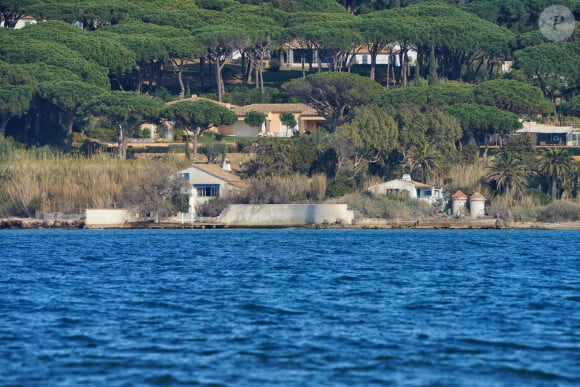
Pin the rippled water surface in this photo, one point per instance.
(289, 307)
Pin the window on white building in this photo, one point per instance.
(207, 191)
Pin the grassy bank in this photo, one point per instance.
(41, 180)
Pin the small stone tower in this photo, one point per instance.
(477, 205)
(459, 203)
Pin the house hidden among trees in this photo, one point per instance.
(306, 117)
(415, 189)
(551, 135)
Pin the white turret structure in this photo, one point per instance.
(477, 205)
(459, 203)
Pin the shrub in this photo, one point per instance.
(295, 188)
(89, 148)
(214, 207)
(499, 211)
(274, 65)
(387, 207)
(245, 145)
(213, 150)
(560, 211)
(340, 186)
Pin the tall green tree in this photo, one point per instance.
(125, 111)
(157, 47)
(571, 107)
(554, 67)
(483, 122)
(255, 119)
(289, 120)
(17, 48)
(514, 96)
(424, 160)
(428, 97)
(555, 163)
(69, 97)
(437, 128)
(90, 14)
(509, 174)
(370, 134)
(18, 88)
(197, 117)
(107, 52)
(220, 42)
(333, 95)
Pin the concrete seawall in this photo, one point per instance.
(106, 218)
(285, 215)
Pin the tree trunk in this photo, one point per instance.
(433, 77)
(404, 69)
(69, 134)
(180, 79)
(218, 79)
(554, 183)
(5, 120)
(120, 143)
(187, 154)
(196, 134)
(373, 50)
(249, 72)
(262, 55)
(201, 63)
(243, 60)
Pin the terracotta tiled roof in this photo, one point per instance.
(477, 196)
(277, 108)
(194, 98)
(459, 195)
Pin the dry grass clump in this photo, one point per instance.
(560, 211)
(41, 180)
(387, 206)
(468, 175)
(295, 188)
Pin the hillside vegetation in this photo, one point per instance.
(460, 79)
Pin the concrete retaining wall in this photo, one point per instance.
(106, 218)
(273, 215)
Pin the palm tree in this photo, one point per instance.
(423, 157)
(509, 174)
(556, 163)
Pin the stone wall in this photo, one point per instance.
(106, 218)
(276, 215)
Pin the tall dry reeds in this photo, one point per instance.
(42, 180)
(295, 188)
(468, 175)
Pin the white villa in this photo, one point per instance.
(415, 189)
(209, 181)
(550, 135)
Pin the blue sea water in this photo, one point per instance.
(289, 307)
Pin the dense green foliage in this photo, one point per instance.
(104, 67)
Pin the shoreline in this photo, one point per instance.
(17, 223)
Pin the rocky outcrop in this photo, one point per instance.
(34, 223)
